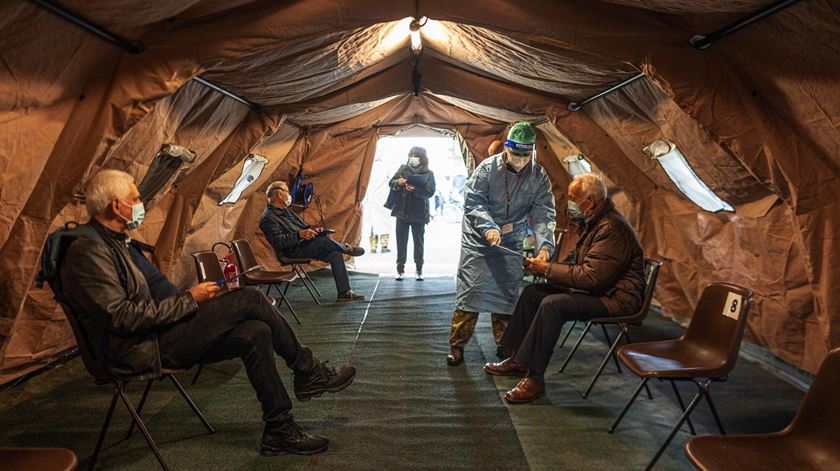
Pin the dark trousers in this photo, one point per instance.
(538, 319)
(326, 250)
(418, 231)
(241, 324)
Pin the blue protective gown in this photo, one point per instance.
(489, 279)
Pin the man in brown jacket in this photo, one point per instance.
(605, 278)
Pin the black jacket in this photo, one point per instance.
(413, 206)
(282, 227)
(115, 305)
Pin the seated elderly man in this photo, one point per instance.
(291, 237)
(605, 278)
(140, 323)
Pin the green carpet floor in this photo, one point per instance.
(406, 408)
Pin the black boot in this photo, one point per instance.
(324, 379)
(287, 438)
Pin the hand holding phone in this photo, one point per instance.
(325, 232)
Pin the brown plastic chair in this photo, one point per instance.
(41, 459)
(651, 267)
(101, 376)
(297, 268)
(246, 260)
(809, 442)
(707, 352)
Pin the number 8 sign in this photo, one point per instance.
(732, 306)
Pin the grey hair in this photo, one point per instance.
(273, 187)
(103, 187)
(592, 184)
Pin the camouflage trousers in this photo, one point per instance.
(463, 327)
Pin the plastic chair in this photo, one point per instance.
(707, 352)
(245, 259)
(651, 268)
(101, 375)
(809, 442)
(42, 459)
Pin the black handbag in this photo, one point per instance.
(392, 199)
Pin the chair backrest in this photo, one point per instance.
(717, 325)
(93, 364)
(207, 267)
(652, 267)
(244, 255)
(818, 418)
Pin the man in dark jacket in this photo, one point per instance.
(605, 278)
(411, 207)
(138, 322)
(291, 237)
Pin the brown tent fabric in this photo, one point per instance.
(755, 115)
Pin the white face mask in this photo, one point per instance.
(138, 212)
(519, 162)
(288, 199)
(414, 162)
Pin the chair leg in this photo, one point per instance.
(629, 340)
(197, 372)
(676, 428)
(311, 282)
(284, 299)
(568, 333)
(609, 354)
(105, 425)
(682, 405)
(577, 344)
(627, 406)
(705, 385)
(142, 427)
(140, 406)
(191, 403)
(301, 273)
(609, 341)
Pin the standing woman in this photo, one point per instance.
(413, 184)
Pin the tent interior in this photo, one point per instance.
(273, 87)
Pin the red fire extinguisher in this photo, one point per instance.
(231, 271)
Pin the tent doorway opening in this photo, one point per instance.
(442, 241)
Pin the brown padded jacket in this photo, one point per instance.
(608, 263)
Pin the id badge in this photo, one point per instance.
(507, 228)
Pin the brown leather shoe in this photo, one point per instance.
(505, 368)
(349, 295)
(528, 390)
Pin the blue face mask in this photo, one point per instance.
(573, 210)
(138, 212)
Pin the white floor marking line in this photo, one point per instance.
(364, 318)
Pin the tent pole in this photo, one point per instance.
(703, 41)
(134, 47)
(575, 105)
(227, 93)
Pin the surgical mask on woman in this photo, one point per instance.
(138, 212)
(519, 161)
(414, 162)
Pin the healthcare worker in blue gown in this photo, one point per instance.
(503, 190)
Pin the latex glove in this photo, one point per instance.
(493, 236)
(543, 255)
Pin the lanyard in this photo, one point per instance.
(509, 194)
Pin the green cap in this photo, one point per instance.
(521, 137)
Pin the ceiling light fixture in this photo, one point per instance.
(414, 32)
